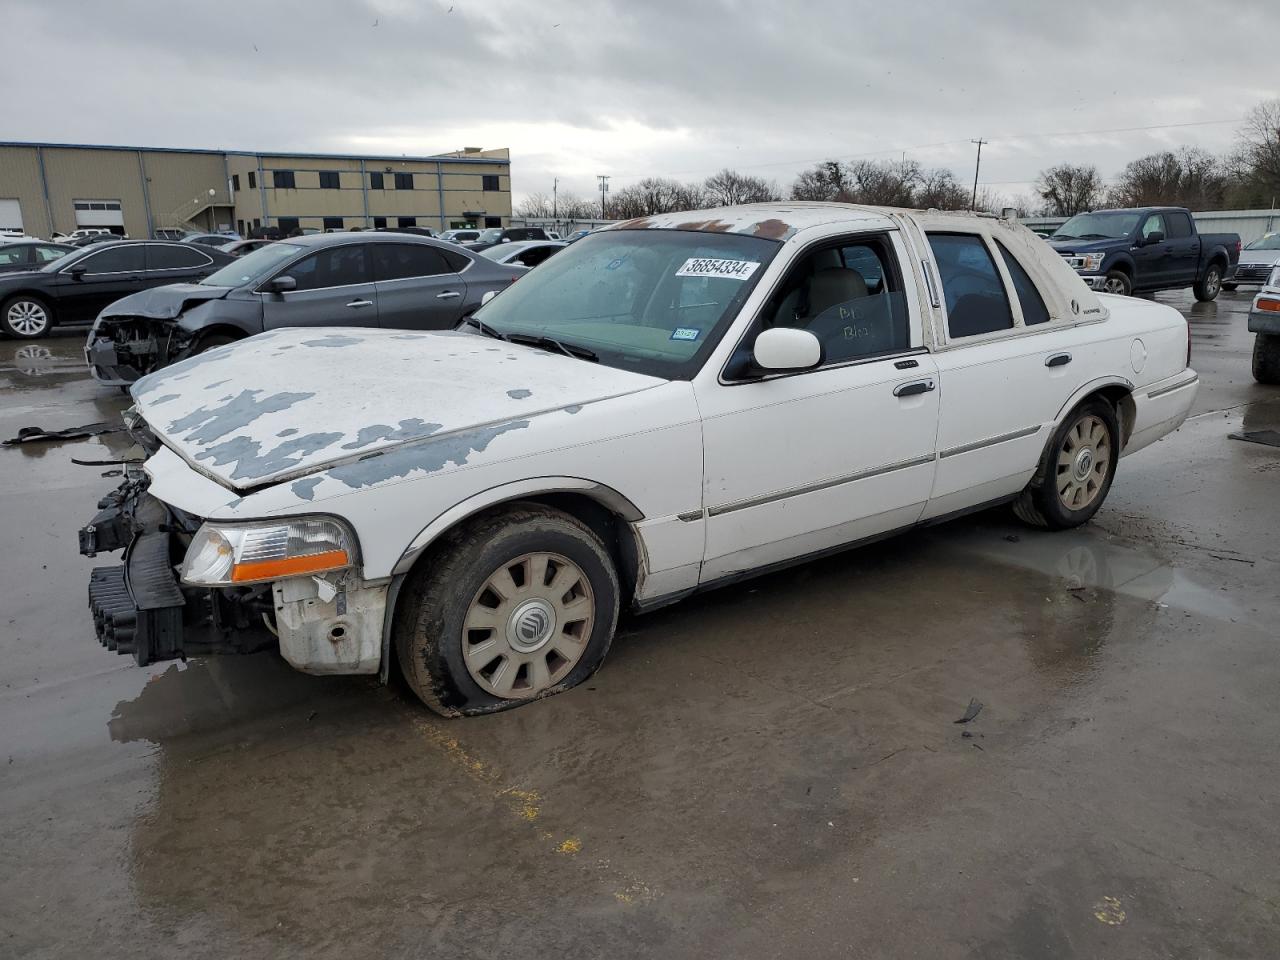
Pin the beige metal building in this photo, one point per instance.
(48, 188)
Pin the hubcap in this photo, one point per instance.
(1114, 285)
(1083, 461)
(1212, 281)
(528, 625)
(27, 318)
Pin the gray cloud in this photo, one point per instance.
(631, 89)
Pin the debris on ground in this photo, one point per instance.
(36, 434)
(971, 711)
(1270, 438)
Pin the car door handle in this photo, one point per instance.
(912, 388)
(360, 303)
(448, 295)
(1058, 360)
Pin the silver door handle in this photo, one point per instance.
(448, 295)
(911, 389)
(360, 303)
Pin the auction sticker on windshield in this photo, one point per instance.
(730, 269)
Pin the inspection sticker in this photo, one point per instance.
(731, 269)
(686, 333)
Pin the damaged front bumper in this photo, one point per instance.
(330, 624)
(121, 350)
(140, 608)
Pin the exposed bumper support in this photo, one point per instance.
(121, 350)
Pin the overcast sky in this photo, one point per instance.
(644, 87)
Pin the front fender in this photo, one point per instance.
(606, 496)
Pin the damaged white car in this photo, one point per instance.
(667, 405)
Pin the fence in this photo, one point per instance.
(1250, 224)
(561, 226)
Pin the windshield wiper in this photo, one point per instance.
(568, 349)
(1063, 236)
(483, 327)
(1096, 236)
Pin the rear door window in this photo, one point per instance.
(1029, 299)
(400, 261)
(974, 293)
(341, 266)
(1179, 225)
(165, 256)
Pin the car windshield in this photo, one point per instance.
(492, 235)
(252, 266)
(649, 301)
(1098, 226)
(1270, 242)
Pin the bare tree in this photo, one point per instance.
(534, 205)
(1191, 177)
(1068, 189)
(728, 187)
(573, 207)
(655, 195)
(939, 188)
(827, 180)
(1255, 164)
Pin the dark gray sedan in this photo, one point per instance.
(326, 280)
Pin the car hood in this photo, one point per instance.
(295, 401)
(1259, 256)
(164, 303)
(1068, 247)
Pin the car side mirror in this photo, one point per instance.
(1156, 237)
(282, 284)
(786, 348)
(77, 272)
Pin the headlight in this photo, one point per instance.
(1092, 262)
(224, 554)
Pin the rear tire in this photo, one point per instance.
(1075, 471)
(517, 604)
(1266, 358)
(1229, 287)
(26, 317)
(1207, 287)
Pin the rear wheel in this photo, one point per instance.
(1229, 286)
(1075, 471)
(1117, 282)
(26, 317)
(518, 604)
(1266, 358)
(1207, 287)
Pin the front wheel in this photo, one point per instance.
(1207, 287)
(26, 317)
(1117, 282)
(517, 604)
(1266, 358)
(1075, 471)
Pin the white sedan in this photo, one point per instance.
(674, 403)
(523, 253)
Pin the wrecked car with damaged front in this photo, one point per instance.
(670, 404)
(337, 279)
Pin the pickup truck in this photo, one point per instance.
(667, 405)
(1147, 249)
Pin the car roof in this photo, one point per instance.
(772, 221)
(361, 236)
(517, 245)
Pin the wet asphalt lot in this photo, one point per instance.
(771, 769)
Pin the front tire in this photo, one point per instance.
(1117, 282)
(1075, 471)
(1207, 287)
(517, 604)
(1266, 358)
(26, 317)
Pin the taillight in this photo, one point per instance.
(1268, 304)
(1239, 245)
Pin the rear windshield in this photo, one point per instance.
(650, 301)
(252, 266)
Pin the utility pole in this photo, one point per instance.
(555, 186)
(604, 188)
(973, 204)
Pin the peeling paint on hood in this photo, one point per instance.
(344, 399)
